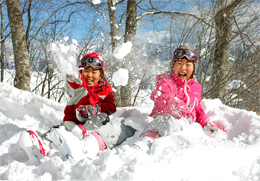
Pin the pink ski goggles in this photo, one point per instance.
(92, 62)
(188, 53)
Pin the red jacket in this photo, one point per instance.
(81, 94)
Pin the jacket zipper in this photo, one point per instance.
(186, 93)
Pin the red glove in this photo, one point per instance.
(86, 111)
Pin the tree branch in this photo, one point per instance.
(46, 22)
(176, 13)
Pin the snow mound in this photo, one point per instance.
(187, 155)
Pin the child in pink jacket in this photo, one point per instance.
(177, 95)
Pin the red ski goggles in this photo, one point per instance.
(188, 53)
(93, 62)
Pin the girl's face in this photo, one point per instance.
(183, 68)
(91, 76)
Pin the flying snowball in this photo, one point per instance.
(96, 1)
(123, 50)
(120, 77)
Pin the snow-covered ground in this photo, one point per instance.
(188, 155)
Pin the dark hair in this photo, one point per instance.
(101, 73)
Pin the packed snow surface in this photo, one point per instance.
(188, 155)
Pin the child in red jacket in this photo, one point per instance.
(91, 102)
(90, 94)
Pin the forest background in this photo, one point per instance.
(225, 33)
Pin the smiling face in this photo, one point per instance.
(183, 68)
(91, 76)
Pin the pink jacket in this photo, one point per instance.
(179, 98)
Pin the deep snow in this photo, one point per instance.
(188, 155)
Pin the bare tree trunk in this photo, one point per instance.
(131, 23)
(123, 93)
(22, 63)
(2, 44)
(113, 25)
(130, 32)
(114, 43)
(29, 23)
(223, 20)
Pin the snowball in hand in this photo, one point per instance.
(120, 77)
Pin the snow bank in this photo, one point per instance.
(188, 155)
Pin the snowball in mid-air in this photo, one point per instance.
(123, 50)
(96, 1)
(120, 77)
